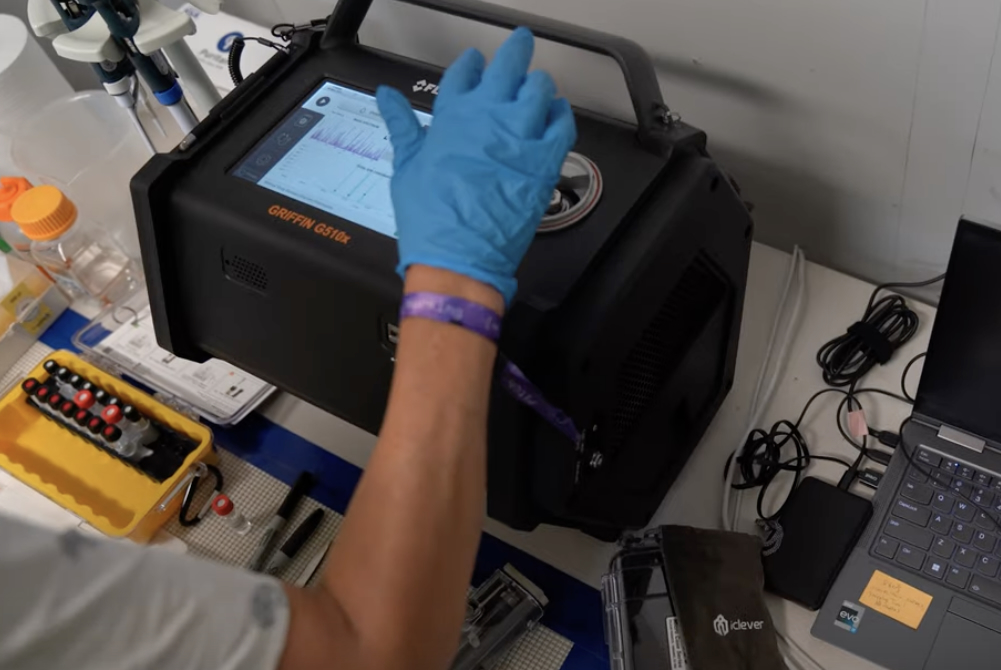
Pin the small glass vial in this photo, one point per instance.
(139, 428)
(223, 506)
(83, 260)
(62, 376)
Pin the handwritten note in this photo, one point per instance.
(895, 599)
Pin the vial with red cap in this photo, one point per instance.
(81, 417)
(135, 430)
(41, 394)
(223, 506)
(84, 399)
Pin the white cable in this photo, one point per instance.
(790, 276)
(810, 662)
(752, 410)
(780, 361)
(760, 401)
(787, 640)
(793, 654)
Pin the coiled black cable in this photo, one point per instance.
(236, 53)
(886, 325)
(761, 461)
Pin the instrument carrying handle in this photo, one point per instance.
(637, 69)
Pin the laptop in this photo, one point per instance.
(922, 589)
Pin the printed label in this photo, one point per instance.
(37, 319)
(849, 616)
(15, 302)
(23, 305)
(303, 221)
(676, 645)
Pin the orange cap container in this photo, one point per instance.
(44, 213)
(11, 189)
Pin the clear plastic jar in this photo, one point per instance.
(12, 188)
(78, 254)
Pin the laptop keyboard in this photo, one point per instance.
(938, 527)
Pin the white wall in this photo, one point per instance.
(851, 124)
(983, 193)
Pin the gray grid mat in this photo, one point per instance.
(32, 357)
(257, 495)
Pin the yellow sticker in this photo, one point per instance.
(895, 599)
(37, 319)
(17, 300)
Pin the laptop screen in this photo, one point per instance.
(961, 382)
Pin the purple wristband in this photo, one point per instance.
(449, 309)
(486, 322)
(514, 381)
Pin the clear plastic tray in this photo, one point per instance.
(121, 340)
(26, 311)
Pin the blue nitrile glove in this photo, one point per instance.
(469, 191)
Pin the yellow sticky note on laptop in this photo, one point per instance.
(897, 600)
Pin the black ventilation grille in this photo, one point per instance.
(246, 272)
(662, 346)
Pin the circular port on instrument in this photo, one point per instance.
(577, 193)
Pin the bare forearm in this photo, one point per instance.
(404, 557)
(468, 193)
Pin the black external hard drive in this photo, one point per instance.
(820, 526)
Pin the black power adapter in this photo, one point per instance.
(818, 528)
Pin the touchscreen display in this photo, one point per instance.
(333, 153)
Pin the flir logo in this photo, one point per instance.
(723, 627)
(849, 616)
(426, 86)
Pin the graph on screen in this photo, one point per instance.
(370, 143)
(334, 153)
(343, 166)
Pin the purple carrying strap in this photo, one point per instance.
(487, 323)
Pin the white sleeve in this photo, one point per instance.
(75, 601)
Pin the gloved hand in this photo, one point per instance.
(470, 191)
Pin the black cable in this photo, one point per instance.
(236, 53)
(761, 461)
(903, 377)
(761, 458)
(285, 31)
(886, 325)
(878, 456)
